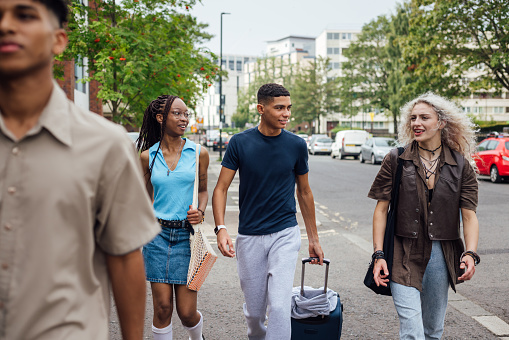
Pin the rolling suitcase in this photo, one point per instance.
(326, 327)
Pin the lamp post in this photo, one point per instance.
(221, 102)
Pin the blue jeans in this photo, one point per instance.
(422, 315)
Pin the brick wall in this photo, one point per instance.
(68, 85)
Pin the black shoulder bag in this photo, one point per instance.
(388, 249)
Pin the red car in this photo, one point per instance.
(492, 157)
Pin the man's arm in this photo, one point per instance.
(224, 241)
(127, 275)
(307, 207)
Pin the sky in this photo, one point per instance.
(254, 22)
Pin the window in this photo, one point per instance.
(492, 145)
(482, 146)
(333, 36)
(336, 36)
(79, 75)
(466, 109)
(329, 36)
(231, 65)
(498, 110)
(239, 65)
(329, 50)
(346, 36)
(336, 66)
(336, 50)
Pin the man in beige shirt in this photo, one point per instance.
(73, 208)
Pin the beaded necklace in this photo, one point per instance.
(432, 151)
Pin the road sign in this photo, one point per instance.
(372, 115)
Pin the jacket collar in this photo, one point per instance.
(411, 153)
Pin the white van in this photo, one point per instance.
(348, 143)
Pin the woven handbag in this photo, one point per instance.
(203, 256)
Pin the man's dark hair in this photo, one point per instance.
(59, 8)
(267, 92)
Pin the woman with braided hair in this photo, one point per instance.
(169, 163)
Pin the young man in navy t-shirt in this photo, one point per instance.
(270, 161)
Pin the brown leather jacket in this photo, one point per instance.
(443, 219)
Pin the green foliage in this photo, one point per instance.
(267, 70)
(451, 37)
(140, 49)
(313, 93)
(376, 77)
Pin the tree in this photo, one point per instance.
(138, 50)
(313, 93)
(266, 70)
(376, 77)
(457, 36)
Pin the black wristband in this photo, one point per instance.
(379, 254)
(473, 254)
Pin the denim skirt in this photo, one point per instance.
(167, 256)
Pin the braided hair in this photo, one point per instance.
(151, 131)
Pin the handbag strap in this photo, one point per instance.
(397, 180)
(196, 179)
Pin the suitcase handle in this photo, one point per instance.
(307, 260)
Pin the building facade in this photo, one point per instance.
(207, 110)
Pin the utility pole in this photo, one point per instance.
(221, 100)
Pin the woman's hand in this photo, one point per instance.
(381, 279)
(467, 263)
(194, 216)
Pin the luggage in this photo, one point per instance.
(326, 327)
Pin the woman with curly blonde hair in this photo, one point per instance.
(438, 182)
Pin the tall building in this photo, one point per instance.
(289, 45)
(207, 110)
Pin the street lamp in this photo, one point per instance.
(221, 102)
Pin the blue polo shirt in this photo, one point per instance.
(267, 168)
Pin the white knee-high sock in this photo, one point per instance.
(195, 332)
(165, 333)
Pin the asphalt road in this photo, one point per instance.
(344, 214)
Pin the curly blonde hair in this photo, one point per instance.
(458, 133)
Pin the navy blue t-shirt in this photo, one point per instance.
(267, 168)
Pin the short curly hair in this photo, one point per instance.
(267, 92)
(58, 7)
(459, 130)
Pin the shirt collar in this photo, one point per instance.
(54, 118)
(188, 145)
(411, 153)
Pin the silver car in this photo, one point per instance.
(376, 148)
(320, 145)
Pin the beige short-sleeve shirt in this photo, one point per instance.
(71, 191)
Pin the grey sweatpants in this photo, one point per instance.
(266, 267)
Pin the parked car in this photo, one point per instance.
(224, 140)
(312, 138)
(348, 143)
(376, 148)
(134, 136)
(321, 145)
(492, 157)
(210, 135)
